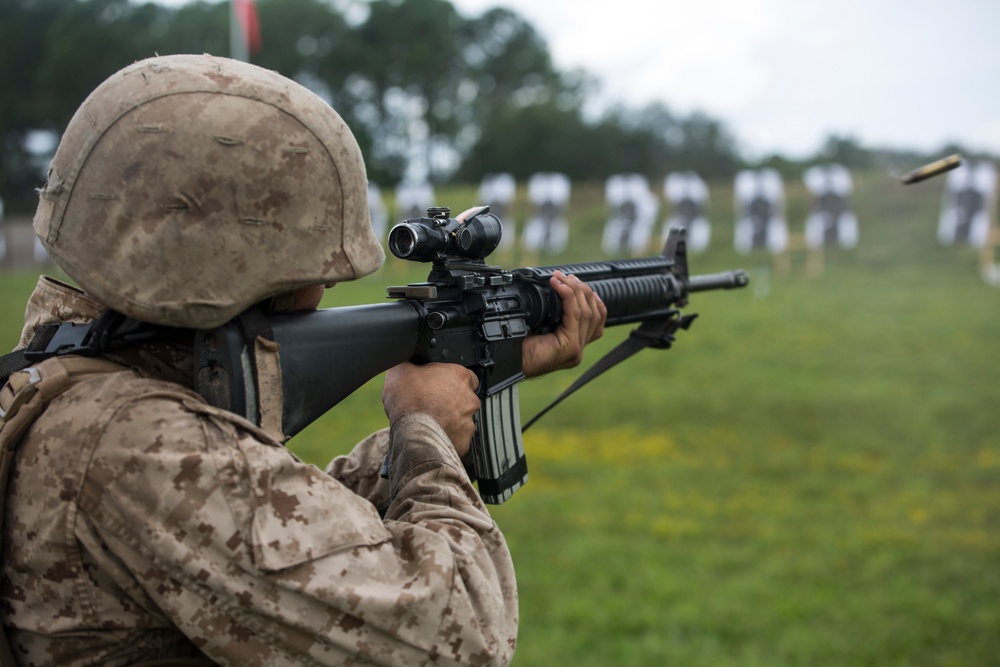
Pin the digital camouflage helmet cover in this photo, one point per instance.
(187, 188)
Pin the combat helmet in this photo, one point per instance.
(187, 188)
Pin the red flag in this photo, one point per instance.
(246, 14)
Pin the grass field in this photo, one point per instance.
(810, 477)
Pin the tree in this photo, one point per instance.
(846, 151)
(525, 140)
(58, 51)
(407, 69)
(84, 44)
(651, 141)
(421, 96)
(707, 147)
(305, 40)
(197, 27)
(509, 62)
(21, 23)
(421, 86)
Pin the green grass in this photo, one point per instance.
(811, 476)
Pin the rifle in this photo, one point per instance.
(467, 312)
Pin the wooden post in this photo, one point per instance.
(797, 243)
(989, 270)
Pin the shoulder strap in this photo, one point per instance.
(27, 393)
(657, 333)
(18, 359)
(109, 331)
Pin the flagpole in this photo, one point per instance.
(237, 44)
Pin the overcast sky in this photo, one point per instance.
(784, 74)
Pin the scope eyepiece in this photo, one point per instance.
(470, 237)
(479, 236)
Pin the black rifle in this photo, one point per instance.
(467, 313)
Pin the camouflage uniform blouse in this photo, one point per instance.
(142, 523)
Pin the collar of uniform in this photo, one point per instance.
(53, 302)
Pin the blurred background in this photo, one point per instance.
(452, 91)
(811, 476)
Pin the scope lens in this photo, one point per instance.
(402, 240)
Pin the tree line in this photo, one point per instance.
(423, 88)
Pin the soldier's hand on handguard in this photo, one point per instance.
(445, 392)
(583, 319)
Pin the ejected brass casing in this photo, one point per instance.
(933, 169)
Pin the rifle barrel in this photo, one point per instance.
(724, 280)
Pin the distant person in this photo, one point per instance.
(497, 191)
(830, 222)
(760, 212)
(968, 204)
(379, 212)
(632, 210)
(687, 193)
(547, 230)
(413, 198)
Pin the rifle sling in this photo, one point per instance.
(657, 333)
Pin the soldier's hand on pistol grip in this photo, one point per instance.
(445, 392)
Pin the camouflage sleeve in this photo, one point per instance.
(361, 470)
(263, 560)
(430, 493)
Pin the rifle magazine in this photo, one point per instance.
(497, 448)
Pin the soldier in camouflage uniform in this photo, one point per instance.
(142, 524)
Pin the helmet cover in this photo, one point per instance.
(188, 188)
